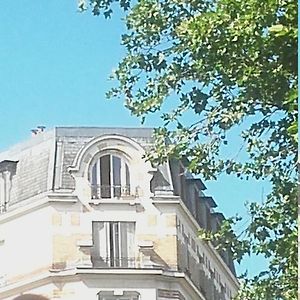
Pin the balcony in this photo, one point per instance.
(115, 262)
(110, 191)
(142, 262)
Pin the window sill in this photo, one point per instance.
(125, 200)
(85, 243)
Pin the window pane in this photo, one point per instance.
(93, 181)
(116, 242)
(127, 243)
(103, 244)
(110, 239)
(109, 177)
(94, 174)
(116, 162)
(100, 242)
(127, 176)
(124, 247)
(105, 176)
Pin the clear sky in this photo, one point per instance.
(54, 68)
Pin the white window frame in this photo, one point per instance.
(112, 235)
(125, 176)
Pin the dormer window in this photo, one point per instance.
(7, 171)
(109, 177)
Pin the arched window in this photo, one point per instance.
(109, 177)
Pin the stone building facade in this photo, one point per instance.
(83, 216)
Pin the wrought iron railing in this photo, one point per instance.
(114, 262)
(128, 263)
(109, 191)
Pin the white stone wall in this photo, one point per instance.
(150, 287)
(55, 237)
(26, 246)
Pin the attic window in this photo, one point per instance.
(114, 296)
(110, 177)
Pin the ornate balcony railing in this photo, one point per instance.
(109, 191)
(115, 262)
(129, 263)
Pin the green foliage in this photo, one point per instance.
(223, 65)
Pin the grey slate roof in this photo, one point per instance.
(74, 138)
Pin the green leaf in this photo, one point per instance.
(276, 28)
(216, 68)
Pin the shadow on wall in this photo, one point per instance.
(30, 297)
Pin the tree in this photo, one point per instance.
(208, 67)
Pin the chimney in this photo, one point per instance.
(34, 132)
(38, 130)
(41, 128)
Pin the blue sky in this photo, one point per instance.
(54, 68)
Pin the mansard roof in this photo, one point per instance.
(44, 159)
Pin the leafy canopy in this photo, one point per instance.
(208, 67)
